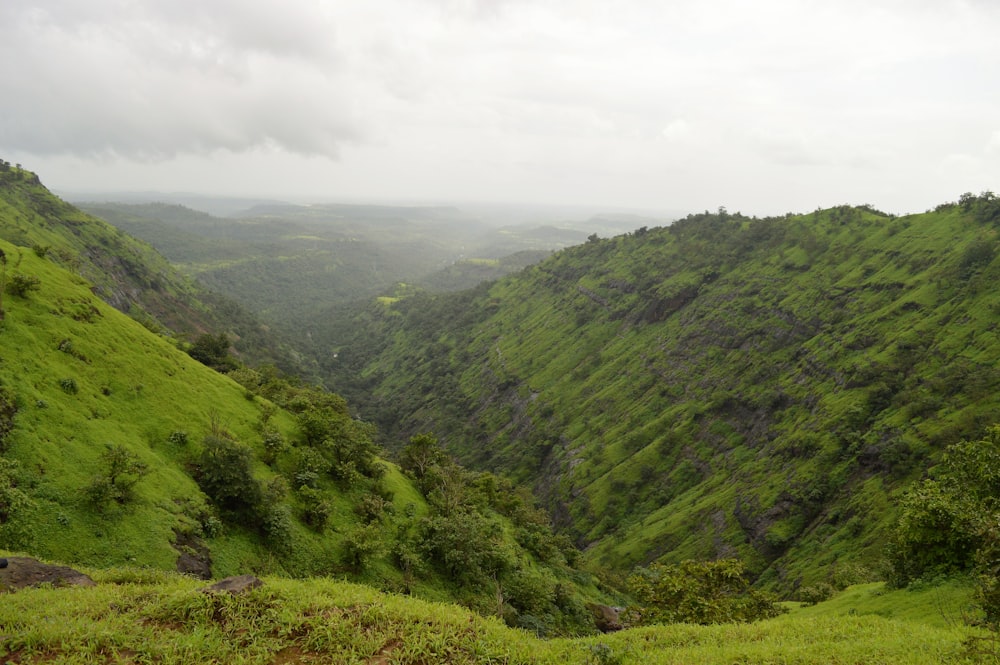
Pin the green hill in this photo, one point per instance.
(725, 386)
(118, 448)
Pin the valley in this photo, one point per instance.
(720, 389)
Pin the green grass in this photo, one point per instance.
(136, 615)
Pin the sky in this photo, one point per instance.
(762, 107)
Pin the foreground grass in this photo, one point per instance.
(146, 616)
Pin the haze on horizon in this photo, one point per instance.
(766, 107)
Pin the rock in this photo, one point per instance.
(607, 619)
(194, 557)
(234, 585)
(22, 571)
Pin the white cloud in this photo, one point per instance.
(633, 102)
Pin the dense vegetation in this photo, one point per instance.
(118, 447)
(725, 401)
(723, 387)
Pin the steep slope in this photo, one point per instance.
(118, 448)
(126, 273)
(725, 386)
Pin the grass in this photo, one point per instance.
(136, 615)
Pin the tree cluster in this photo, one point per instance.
(703, 592)
(950, 522)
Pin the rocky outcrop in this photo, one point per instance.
(234, 585)
(22, 572)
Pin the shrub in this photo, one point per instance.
(372, 508)
(816, 593)
(225, 475)
(20, 284)
(178, 437)
(703, 592)
(121, 471)
(274, 444)
(316, 507)
(15, 505)
(8, 409)
(362, 545)
(69, 386)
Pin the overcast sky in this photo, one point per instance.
(764, 107)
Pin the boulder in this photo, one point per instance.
(606, 619)
(22, 571)
(234, 585)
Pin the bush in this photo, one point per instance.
(225, 475)
(121, 471)
(362, 545)
(178, 438)
(20, 284)
(8, 409)
(703, 592)
(316, 508)
(274, 444)
(15, 506)
(816, 593)
(69, 386)
(949, 522)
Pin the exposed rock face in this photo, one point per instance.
(194, 557)
(22, 571)
(234, 585)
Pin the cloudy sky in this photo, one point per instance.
(764, 107)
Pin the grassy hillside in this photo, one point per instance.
(726, 386)
(136, 616)
(118, 448)
(125, 272)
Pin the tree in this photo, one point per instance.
(213, 350)
(226, 476)
(121, 471)
(703, 592)
(362, 545)
(420, 454)
(20, 284)
(945, 520)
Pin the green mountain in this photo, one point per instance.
(118, 448)
(725, 386)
